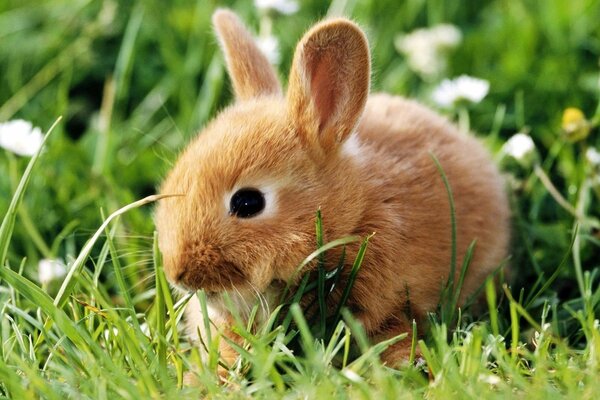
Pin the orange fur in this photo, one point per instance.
(251, 73)
(365, 161)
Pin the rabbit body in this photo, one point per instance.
(365, 161)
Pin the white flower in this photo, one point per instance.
(426, 48)
(145, 328)
(490, 379)
(593, 156)
(493, 342)
(283, 6)
(20, 137)
(351, 375)
(110, 333)
(269, 45)
(463, 88)
(520, 146)
(107, 14)
(51, 269)
(420, 363)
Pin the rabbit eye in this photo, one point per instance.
(246, 203)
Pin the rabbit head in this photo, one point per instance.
(253, 179)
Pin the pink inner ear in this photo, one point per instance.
(323, 88)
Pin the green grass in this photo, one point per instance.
(134, 81)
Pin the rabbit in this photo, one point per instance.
(252, 181)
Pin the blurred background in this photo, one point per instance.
(136, 80)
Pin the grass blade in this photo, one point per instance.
(321, 276)
(311, 257)
(8, 223)
(69, 282)
(353, 273)
(121, 279)
(159, 307)
(452, 222)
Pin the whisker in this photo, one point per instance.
(132, 255)
(243, 303)
(264, 306)
(143, 261)
(144, 282)
(83, 232)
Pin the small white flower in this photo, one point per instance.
(145, 328)
(546, 327)
(110, 333)
(269, 45)
(490, 379)
(351, 375)
(51, 269)
(493, 343)
(520, 146)
(20, 137)
(463, 88)
(107, 13)
(283, 6)
(426, 48)
(593, 156)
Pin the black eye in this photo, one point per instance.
(246, 203)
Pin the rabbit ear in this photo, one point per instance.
(329, 83)
(250, 71)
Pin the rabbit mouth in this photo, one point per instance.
(214, 279)
(243, 300)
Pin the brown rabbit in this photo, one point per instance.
(253, 180)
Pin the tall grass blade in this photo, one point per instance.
(448, 293)
(352, 277)
(118, 269)
(8, 222)
(321, 276)
(533, 295)
(490, 295)
(300, 269)
(159, 307)
(453, 257)
(69, 282)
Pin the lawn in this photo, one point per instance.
(121, 87)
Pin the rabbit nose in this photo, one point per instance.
(179, 276)
(175, 274)
(187, 276)
(187, 279)
(195, 266)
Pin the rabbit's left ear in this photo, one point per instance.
(251, 73)
(329, 84)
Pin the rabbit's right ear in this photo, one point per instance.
(249, 70)
(329, 84)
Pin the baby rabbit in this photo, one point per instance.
(253, 180)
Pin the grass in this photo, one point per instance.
(135, 81)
